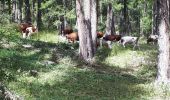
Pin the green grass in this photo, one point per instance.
(119, 73)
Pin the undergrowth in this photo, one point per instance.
(118, 74)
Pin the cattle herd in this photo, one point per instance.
(27, 29)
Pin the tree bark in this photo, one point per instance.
(13, 10)
(20, 4)
(84, 30)
(9, 6)
(124, 18)
(155, 18)
(163, 74)
(109, 22)
(94, 24)
(39, 15)
(27, 12)
(34, 11)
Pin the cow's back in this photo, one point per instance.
(23, 26)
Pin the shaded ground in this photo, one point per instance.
(119, 73)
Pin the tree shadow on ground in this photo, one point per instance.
(87, 85)
(99, 81)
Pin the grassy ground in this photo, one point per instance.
(119, 73)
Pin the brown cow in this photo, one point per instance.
(100, 34)
(152, 38)
(72, 37)
(112, 38)
(67, 30)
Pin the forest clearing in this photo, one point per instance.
(84, 50)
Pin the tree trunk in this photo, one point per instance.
(39, 15)
(84, 30)
(100, 12)
(34, 12)
(94, 23)
(143, 14)
(65, 20)
(155, 18)
(20, 4)
(125, 10)
(27, 12)
(13, 10)
(163, 74)
(9, 7)
(109, 24)
(124, 18)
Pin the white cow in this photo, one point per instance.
(130, 39)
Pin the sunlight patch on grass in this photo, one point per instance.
(125, 59)
(46, 36)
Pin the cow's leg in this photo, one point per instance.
(101, 42)
(124, 44)
(109, 44)
(24, 35)
(29, 34)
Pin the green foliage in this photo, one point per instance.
(4, 18)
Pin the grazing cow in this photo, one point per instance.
(108, 39)
(100, 34)
(27, 29)
(30, 31)
(66, 31)
(152, 38)
(130, 39)
(112, 38)
(72, 37)
(23, 26)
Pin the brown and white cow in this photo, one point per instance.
(30, 31)
(27, 29)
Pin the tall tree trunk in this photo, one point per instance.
(113, 24)
(143, 14)
(27, 12)
(163, 74)
(13, 10)
(155, 18)
(20, 4)
(125, 12)
(65, 20)
(100, 12)
(9, 7)
(124, 18)
(109, 22)
(39, 15)
(94, 23)
(87, 14)
(34, 12)
(84, 30)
